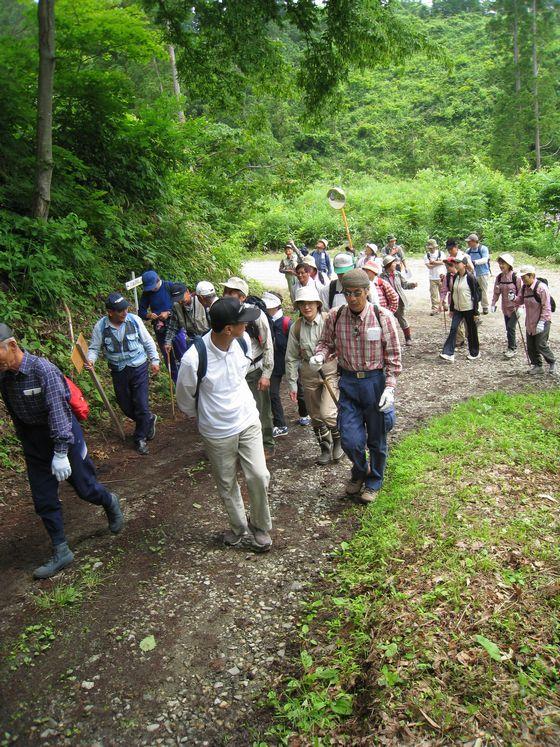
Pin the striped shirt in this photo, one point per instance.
(38, 395)
(348, 341)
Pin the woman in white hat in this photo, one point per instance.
(370, 252)
(507, 286)
(302, 340)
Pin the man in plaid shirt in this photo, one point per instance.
(365, 340)
(36, 396)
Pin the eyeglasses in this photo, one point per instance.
(353, 294)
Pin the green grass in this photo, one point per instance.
(442, 613)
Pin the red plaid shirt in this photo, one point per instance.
(349, 343)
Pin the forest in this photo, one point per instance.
(436, 119)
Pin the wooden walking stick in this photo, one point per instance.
(329, 387)
(99, 387)
(337, 200)
(523, 341)
(170, 383)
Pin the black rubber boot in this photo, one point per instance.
(114, 514)
(324, 439)
(337, 452)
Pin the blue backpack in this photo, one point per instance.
(200, 346)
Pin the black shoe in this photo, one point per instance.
(142, 447)
(62, 556)
(152, 431)
(114, 514)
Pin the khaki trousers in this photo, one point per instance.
(262, 398)
(483, 282)
(320, 406)
(224, 454)
(434, 294)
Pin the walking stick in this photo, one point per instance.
(444, 320)
(101, 391)
(523, 341)
(171, 384)
(329, 387)
(337, 200)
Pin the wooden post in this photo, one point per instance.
(101, 391)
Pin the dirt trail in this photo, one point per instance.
(224, 622)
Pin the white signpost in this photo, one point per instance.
(133, 284)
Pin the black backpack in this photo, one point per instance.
(200, 346)
(252, 329)
(332, 292)
(534, 295)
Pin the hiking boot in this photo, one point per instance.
(62, 556)
(473, 357)
(268, 454)
(324, 440)
(448, 358)
(484, 311)
(305, 420)
(152, 431)
(369, 495)
(409, 342)
(114, 514)
(535, 370)
(280, 431)
(337, 452)
(552, 369)
(142, 447)
(262, 541)
(509, 353)
(354, 487)
(231, 539)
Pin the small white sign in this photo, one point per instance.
(133, 283)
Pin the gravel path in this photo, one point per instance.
(224, 622)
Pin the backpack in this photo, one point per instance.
(332, 292)
(534, 295)
(252, 329)
(78, 403)
(200, 346)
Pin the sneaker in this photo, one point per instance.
(354, 487)
(473, 357)
(114, 514)
(305, 421)
(142, 447)
(231, 539)
(62, 556)
(262, 541)
(280, 431)
(448, 358)
(409, 342)
(509, 353)
(152, 431)
(535, 370)
(369, 495)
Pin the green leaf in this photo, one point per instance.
(490, 647)
(148, 643)
(306, 660)
(342, 705)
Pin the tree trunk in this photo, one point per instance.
(44, 164)
(175, 76)
(516, 68)
(536, 90)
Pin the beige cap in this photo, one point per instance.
(431, 244)
(527, 270)
(237, 284)
(507, 258)
(309, 293)
(472, 237)
(389, 259)
(355, 279)
(309, 261)
(205, 288)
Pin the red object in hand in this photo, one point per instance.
(78, 403)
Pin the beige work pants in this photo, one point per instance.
(434, 294)
(483, 283)
(320, 405)
(224, 454)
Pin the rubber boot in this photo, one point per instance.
(114, 514)
(407, 336)
(62, 556)
(337, 452)
(324, 439)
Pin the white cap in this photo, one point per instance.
(205, 288)
(527, 270)
(343, 262)
(236, 283)
(507, 258)
(309, 261)
(373, 266)
(323, 241)
(271, 300)
(308, 293)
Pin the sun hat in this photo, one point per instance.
(355, 279)
(373, 247)
(507, 258)
(472, 237)
(343, 262)
(325, 242)
(271, 300)
(5, 332)
(431, 244)
(236, 283)
(527, 270)
(205, 288)
(308, 293)
(388, 259)
(372, 265)
(309, 261)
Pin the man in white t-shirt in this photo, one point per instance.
(433, 259)
(212, 387)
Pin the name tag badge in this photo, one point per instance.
(373, 334)
(31, 392)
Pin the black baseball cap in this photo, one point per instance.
(116, 302)
(178, 291)
(5, 332)
(229, 310)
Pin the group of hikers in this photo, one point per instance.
(227, 353)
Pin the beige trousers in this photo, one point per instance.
(320, 406)
(224, 454)
(483, 283)
(434, 294)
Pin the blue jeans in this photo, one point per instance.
(362, 426)
(38, 450)
(131, 391)
(472, 333)
(511, 322)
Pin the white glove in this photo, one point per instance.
(493, 309)
(387, 399)
(316, 362)
(60, 467)
(540, 326)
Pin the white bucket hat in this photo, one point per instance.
(236, 283)
(309, 293)
(309, 261)
(507, 258)
(527, 270)
(271, 300)
(205, 288)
